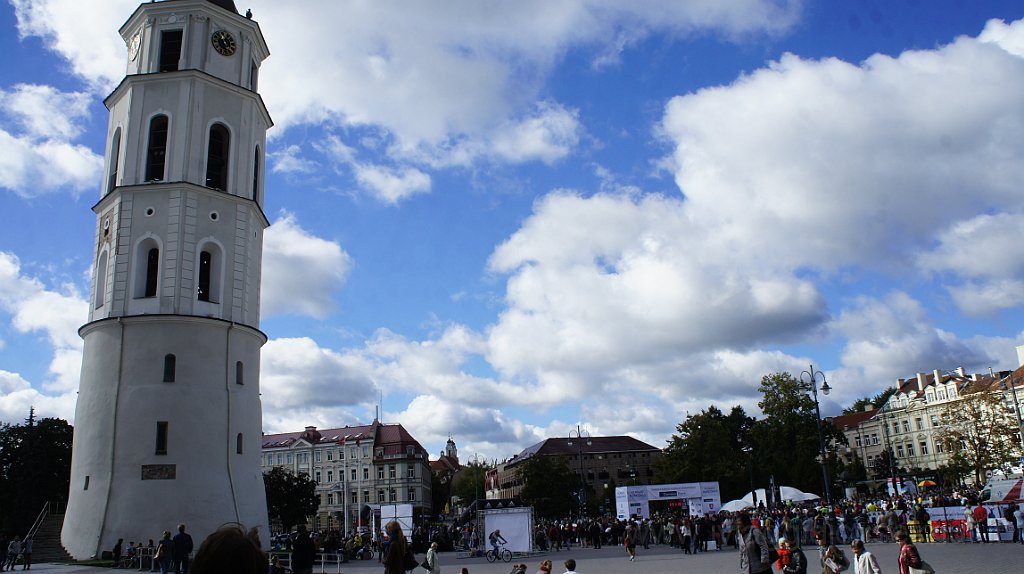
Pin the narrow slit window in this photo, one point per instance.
(217, 157)
(115, 157)
(101, 281)
(169, 368)
(205, 262)
(161, 437)
(238, 443)
(86, 483)
(239, 373)
(156, 154)
(170, 50)
(255, 173)
(152, 271)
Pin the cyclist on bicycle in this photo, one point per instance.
(496, 537)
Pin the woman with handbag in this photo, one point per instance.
(910, 560)
(163, 552)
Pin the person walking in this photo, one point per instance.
(909, 556)
(303, 552)
(754, 556)
(182, 550)
(629, 541)
(26, 553)
(394, 559)
(13, 549)
(164, 550)
(432, 560)
(864, 562)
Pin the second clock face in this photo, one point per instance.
(133, 46)
(223, 42)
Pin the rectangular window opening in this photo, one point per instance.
(170, 50)
(161, 437)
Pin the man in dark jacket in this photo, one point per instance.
(302, 552)
(181, 546)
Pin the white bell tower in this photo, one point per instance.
(168, 421)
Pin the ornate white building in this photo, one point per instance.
(168, 421)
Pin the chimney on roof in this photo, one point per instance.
(938, 376)
(868, 407)
(310, 429)
(963, 373)
(899, 383)
(921, 378)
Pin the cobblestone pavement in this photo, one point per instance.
(994, 558)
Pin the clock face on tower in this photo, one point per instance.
(223, 42)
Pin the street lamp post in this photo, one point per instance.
(750, 469)
(812, 376)
(580, 437)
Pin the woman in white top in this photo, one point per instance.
(863, 561)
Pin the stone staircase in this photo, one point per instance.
(46, 546)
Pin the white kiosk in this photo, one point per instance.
(701, 498)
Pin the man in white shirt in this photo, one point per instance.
(863, 561)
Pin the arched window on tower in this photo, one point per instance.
(256, 173)
(208, 285)
(156, 154)
(147, 268)
(217, 157)
(115, 156)
(101, 281)
(170, 366)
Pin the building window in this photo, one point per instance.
(208, 285)
(316, 456)
(380, 495)
(170, 365)
(330, 454)
(330, 476)
(316, 477)
(330, 498)
(895, 428)
(256, 173)
(858, 440)
(938, 447)
(366, 451)
(86, 483)
(239, 373)
(115, 157)
(910, 450)
(899, 451)
(352, 452)
(392, 495)
(366, 496)
(391, 471)
(874, 439)
(238, 443)
(156, 153)
(411, 495)
(217, 157)
(380, 473)
(366, 473)
(353, 473)
(288, 458)
(279, 459)
(906, 426)
(411, 472)
(924, 448)
(152, 271)
(942, 395)
(920, 423)
(341, 453)
(161, 437)
(353, 497)
(170, 50)
(147, 268)
(101, 281)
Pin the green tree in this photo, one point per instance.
(470, 482)
(549, 485)
(979, 432)
(709, 446)
(786, 439)
(35, 468)
(875, 401)
(291, 498)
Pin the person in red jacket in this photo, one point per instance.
(981, 519)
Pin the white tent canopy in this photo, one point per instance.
(736, 505)
(786, 492)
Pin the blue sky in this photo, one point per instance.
(501, 219)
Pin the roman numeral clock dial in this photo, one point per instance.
(223, 42)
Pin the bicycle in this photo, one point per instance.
(503, 554)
